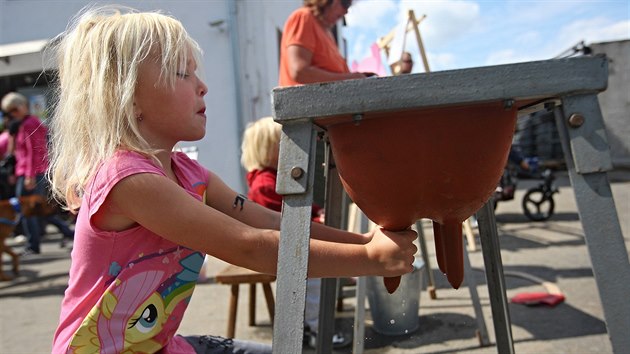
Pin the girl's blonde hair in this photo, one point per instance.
(98, 58)
(259, 139)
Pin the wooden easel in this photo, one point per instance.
(412, 24)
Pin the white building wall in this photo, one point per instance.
(208, 22)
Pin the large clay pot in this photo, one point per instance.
(440, 163)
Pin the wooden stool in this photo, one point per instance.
(234, 276)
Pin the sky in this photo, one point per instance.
(464, 33)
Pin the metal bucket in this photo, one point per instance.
(397, 313)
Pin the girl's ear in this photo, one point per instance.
(137, 112)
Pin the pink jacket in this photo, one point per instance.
(4, 143)
(31, 150)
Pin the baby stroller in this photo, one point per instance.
(538, 201)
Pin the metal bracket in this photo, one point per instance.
(539, 106)
(587, 134)
(296, 145)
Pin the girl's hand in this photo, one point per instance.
(368, 236)
(392, 251)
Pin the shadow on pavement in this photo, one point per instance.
(562, 321)
(31, 284)
(513, 281)
(517, 218)
(435, 328)
(32, 293)
(513, 242)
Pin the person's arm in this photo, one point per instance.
(221, 197)
(10, 145)
(299, 60)
(29, 153)
(516, 157)
(163, 207)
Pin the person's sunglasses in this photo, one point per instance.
(346, 4)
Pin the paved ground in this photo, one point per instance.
(553, 251)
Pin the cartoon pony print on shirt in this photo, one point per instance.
(134, 314)
(200, 188)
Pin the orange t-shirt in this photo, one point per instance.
(302, 28)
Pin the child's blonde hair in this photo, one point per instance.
(98, 57)
(259, 139)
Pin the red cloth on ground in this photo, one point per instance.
(531, 299)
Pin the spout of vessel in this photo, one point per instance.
(449, 250)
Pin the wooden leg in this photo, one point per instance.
(15, 260)
(425, 257)
(252, 304)
(231, 327)
(271, 306)
(470, 235)
(340, 303)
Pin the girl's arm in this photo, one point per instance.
(222, 198)
(165, 208)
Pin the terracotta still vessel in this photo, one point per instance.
(439, 163)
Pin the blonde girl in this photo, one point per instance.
(128, 92)
(261, 141)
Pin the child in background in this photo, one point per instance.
(260, 152)
(128, 93)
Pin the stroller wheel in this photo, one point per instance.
(537, 205)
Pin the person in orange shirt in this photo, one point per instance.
(308, 52)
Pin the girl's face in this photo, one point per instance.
(167, 116)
